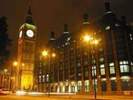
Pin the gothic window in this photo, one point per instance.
(112, 68)
(124, 67)
(102, 69)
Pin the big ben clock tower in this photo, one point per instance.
(26, 53)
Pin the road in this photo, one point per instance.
(13, 97)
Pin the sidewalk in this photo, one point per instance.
(91, 97)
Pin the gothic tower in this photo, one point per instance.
(26, 53)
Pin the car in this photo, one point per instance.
(4, 92)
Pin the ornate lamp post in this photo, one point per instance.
(13, 75)
(48, 55)
(93, 42)
(5, 74)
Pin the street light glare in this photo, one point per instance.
(95, 42)
(53, 55)
(23, 64)
(5, 70)
(15, 63)
(87, 38)
(44, 53)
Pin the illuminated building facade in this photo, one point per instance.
(26, 54)
(76, 66)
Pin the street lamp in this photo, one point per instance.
(87, 38)
(53, 55)
(13, 74)
(44, 53)
(48, 55)
(5, 70)
(93, 42)
(15, 63)
(5, 78)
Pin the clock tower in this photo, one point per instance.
(26, 53)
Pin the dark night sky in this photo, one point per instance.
(50, 15)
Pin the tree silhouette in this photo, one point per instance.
(5, 42)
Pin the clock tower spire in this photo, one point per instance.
(26, 53)
(29, 19)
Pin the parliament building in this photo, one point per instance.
(81, 68)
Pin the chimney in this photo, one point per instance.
(123, 20)
(52, 36)
(85, 19)
(107, 6)
(65, 29)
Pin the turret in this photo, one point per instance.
(29, 19)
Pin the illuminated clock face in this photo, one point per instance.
(30, 33)
(20, 34)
